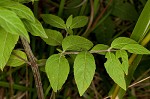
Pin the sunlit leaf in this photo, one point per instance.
(35, 28)
(57, 70)
(84, 69)
(69, 21)
(21, 10)
(53, 20)
(124, 59)
(121, 42)
(11, 23)
(76, 43)
(136, 49)
(7, 43)
(54, 37)
(79, 21)
(113, 68)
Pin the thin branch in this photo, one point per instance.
(100, 15)
(139, 82)
(34, 67)
(91, 19)
(92, 52)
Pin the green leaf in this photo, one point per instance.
(54, 37)
(76, 43)
(15, 61)
(99, 47)
(69, 31)
(53, 20)
(136, 49)
(57, 70)
(121, 42)
(7, 43)
(124, 58)
(69, 21)
(125, 11)
(142, 24)
(79, 21)
(35, 28)
(113, 68)
(84, 69)
(11, 23)
(21, 10)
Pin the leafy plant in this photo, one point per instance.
(84, 65)
(75, 51)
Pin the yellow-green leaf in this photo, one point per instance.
(121, 42)
(35, 28)
(11, 23)
(21, 10)
(57, 70)
(54, 20)
(7, 44)
(79, 21)
(76, 43)
(113, 68)
(124, 60)
(54, 37)
(84, 69)
(16, 58)
(136, 49)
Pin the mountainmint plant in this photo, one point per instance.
(17, 20)
(57, 66)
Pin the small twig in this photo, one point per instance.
(139, 82)
(100, 15)
(91, 19)
(98, 51)
(34, 67)
(108, 97)
(21, 96)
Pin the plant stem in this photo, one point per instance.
(115, 92)
(91, 19)
(34, 67)
(97, 51)
(96, 22)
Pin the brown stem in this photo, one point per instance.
(91, 19)
(100, 15)
(34, 67)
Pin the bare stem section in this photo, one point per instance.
(34, 67)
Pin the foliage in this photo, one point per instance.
(74, 44)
